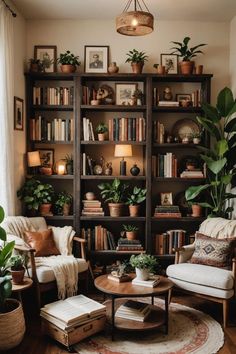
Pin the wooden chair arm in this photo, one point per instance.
(79, 239)
(24, 248)
(177, 251)
(234, 267)
(82, 242)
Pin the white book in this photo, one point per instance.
(84, 164)
(63, 130)
(49, 137)
(151, 283)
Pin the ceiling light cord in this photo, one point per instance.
(8, 7)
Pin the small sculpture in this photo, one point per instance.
(108, 169)
(167, 94)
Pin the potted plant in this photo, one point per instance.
(196, 136)
(114, 193)
(139, 96)
(220, 159)
(101, 129)
(183, 50)
(44, 194)
(12, 322)
(130, 231)
(17, 264)
(69, 164)
(36, 65)
(134, 200)
(143, 264)
(63, 203)
(68, 62)
(27, 194)
(137, 60)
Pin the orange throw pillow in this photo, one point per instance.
(42, 242)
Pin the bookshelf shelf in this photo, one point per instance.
(54, 177)
(125, 178)
(111, 218)
(178, 179)
(112, 252)
(177, 109)
(59, 217)
(114, 108)
(108, 142)
(175, 145)
(52, 108)
(182, 219)
(52, 142)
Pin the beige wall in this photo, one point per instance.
(73, 35)
(232, 59)
(19, 91)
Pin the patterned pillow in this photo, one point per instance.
(213, 251)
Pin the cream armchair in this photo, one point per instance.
(212, 283)
(43, 276)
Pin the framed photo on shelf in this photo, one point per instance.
(170, 61)
(46, 157)
(96, 59)
(184, 99)
(124, 92)
(18, 113)
(48, 55)
(166, 198)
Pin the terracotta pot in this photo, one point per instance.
(34, 68)
(137, 68)
(44, 209)
(161, 69)
(131, 235)
(66, 209)
(116, 209)
(134, 210)
(17, 276)
(12, 325)
(186, 67)
(46, 171)
(196, 210)
(101, 136)
(68, 68)
(113, 68)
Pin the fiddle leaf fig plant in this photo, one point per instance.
(220, 159)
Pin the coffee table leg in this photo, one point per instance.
(152, 300)
(112, 317)
(166, 311)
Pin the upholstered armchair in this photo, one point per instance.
(50, 254)
(207, 268)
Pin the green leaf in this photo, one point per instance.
(210, 127)
(231, 126)
(226, 179)
(1, 214)
(6, 253)
(225, 101)
(214, 166)
(3, 235)
(211, 112)
(206, 205)
(194, 191)
(222, 147)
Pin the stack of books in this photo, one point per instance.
(167, 241)
(72, 312)
(92, 208)
(150, 283)
(99, 238)
(192, 174)
(164, 165)
(167, 211)
(133, 310)
(168, 103)
(119, 278)
(129, 245)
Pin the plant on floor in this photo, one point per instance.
(220, 159)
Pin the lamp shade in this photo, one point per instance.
(33, 158)
(134, 23)
(123, 151)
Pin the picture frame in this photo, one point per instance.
(18, 113)
(46, 157)
(124, 93)
(166, 198)
(48, 55)
(170, 62)
(96, 59)
(184, 99)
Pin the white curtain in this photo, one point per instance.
(7, 190)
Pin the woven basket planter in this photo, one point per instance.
(12, 326)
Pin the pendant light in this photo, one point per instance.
(138, 22)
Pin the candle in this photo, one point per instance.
(61, 170)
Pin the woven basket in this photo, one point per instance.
(12, 326)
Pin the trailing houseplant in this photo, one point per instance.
(101, 130)
(134, 199)
(143, 264)
(187, 54)
(220, 159)
(12, 323)
(130, 231)
(68, 62)
(137, 60)
(63, 202)
(114, 193)
(17, 264)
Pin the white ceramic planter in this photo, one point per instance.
(142, 274)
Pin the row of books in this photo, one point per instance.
(129, 245)
(167, 211)
(133, 310)
(92, 208)
(164, 165)
(72, 312)
(99, 238)
(57, 129)
(53, 95)
(127, 129)
(167, 241)
(87, 131)
(158, 132)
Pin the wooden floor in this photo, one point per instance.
(35, 343)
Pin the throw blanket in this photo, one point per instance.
(63, 237)
(65, 269)
(218, 228)
(17, 225)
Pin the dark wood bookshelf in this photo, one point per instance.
(124, 178)
(176, 145)
(177, 109)
(182, 219)
(42, 107)
(59, 217)
(58, 142)
(109, 142)
(114, 108)
(59, 177)
(112, 218)
(178, 179)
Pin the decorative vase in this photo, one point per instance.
(142, 274)
(68, 68)
(186, 67)
(131, 235)
(196, 140)
(134, 170)
(134, 210)
(116, 209)
(17, 276)
(12, 325)
(66, 209)
(90, 196)
(45, 209)
(113, 68)
(69, 168)
(47, 171)
(137, 68)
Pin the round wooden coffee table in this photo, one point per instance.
(158, 317)
(18, 288)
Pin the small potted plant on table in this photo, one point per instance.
(135, 199)
(68, 62)
(17, 264)
(130, 231)
(137, 60)
(143, 264)
(101, 130)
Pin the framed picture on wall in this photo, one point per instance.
(46, 157)
(18, 113)
(47, 54)
(96, 59)
(170, 61)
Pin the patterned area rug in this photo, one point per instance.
(190, 331)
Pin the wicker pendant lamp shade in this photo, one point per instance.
(137, 22)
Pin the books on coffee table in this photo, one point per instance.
(133, 310)
(150, 283)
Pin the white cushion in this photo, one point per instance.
(45, 274)
(202, 275)
(38, 223)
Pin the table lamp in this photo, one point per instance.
(33, 159)
(123, 151)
